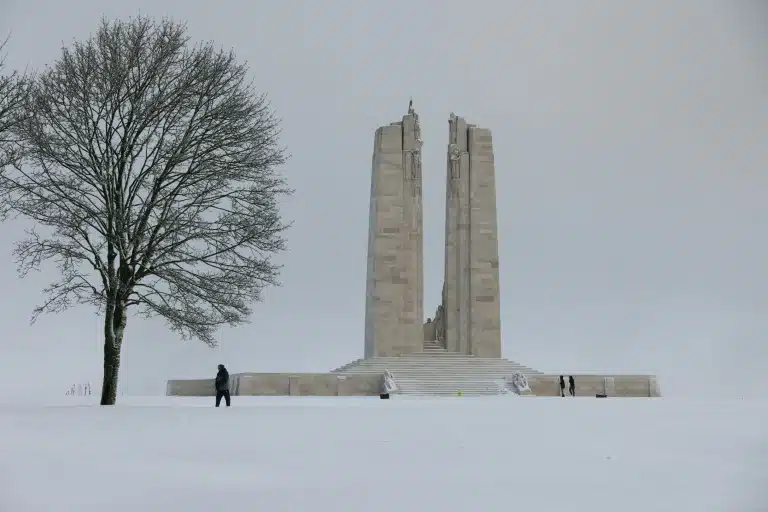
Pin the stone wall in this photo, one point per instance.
(591, 385)
(190, 387)
(332, 384)
(284, 384)
(485, 306)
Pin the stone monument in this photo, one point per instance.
(468, 320)
(459, 350)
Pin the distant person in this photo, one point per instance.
(222, 386)
(562, 386)
(571, 386)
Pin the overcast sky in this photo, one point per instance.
(630, 144)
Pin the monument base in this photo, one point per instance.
(420, 374)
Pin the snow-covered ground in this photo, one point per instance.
(402, 455)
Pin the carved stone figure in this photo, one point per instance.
(439, 324)
(519, 383)
(419, 142)
(417, 132)
(389, 382)
(417, 161)
(454, 152)
(429, 330)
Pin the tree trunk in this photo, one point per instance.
(114, 327)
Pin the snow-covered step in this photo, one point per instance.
(410, 386)
(433, 347)
(442, 373)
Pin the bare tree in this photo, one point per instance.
(12, 91)
(150, 169)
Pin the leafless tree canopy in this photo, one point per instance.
(12, 90)
(150, 171)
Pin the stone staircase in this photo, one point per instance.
(436, 372)
(433, 347)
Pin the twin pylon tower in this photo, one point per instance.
(468, 319)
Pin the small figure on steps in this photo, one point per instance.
(562, 387)
(571, 386)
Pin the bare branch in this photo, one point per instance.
(13, 88)
(150, 167)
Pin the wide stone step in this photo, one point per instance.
(436, 383)
(441, 373)
(450, 370)
(430, 355)
(441, 358)
(451, 385)
(445, 375)
(427, 391)
(434, 365)
(496, 376)
(444, 354)
(427, 363)
(436, 359)
(449, 390)
(457, 378)
(436, 372)
(493, 375)
(480, 380)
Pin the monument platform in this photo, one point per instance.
(420, 374)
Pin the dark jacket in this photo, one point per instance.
(222, 379)
(571, 382)
(562, 382)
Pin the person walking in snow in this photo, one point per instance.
(562, 386)
(571, 386)
(222, 386)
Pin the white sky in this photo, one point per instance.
(630, 151)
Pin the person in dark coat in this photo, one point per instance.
(562, 386)
(222, 386)
(571, 386)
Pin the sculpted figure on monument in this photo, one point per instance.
(519, 383)
(416, 135)
(429, 330)
(439, 324)
(454, 151)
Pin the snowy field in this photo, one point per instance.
(402, 455)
